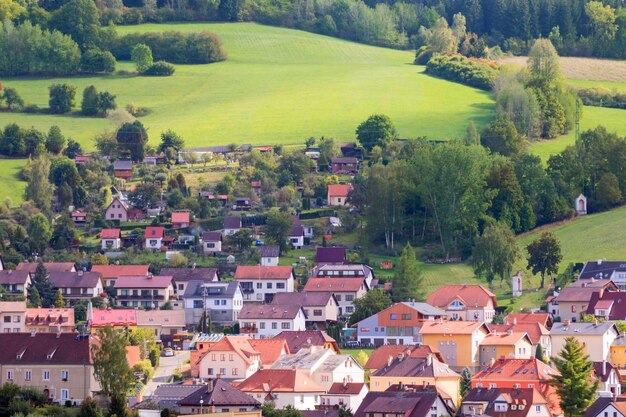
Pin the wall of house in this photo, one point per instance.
(264, 287)
(329, 312)
(268, 328)
(368, 331)
(108, 244)
(571, 310)
(618, 356)
(12, 321)
(154, 243)
(337, 201)
(269, 261)
(463, 348)
(219, 412)
(352, 402)
(217, 247)
(597, 347)
(235, 366)
(116, 212)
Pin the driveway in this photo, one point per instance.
(162, 374)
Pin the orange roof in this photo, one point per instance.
(533, 330)
(339, 190)
(263, 272)
(181, 217)
(52, 317)
(270, 349)
(516, 370)
(541, 318)
(133, 355)
(470, 295)
(110, 317)
(238, 344)
(154, 232)
(279, 380)
(334, 284)
(115, 271)
(380, 357)
(504, 339)
(453, 327)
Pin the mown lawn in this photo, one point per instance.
(278, 86)
(11, 185)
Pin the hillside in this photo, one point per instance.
(277, 86)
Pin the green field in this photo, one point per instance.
(11, 186)
(277, 86)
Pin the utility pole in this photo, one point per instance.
(204, 307)
(577, 120)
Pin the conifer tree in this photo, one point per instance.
(539, 353)
(59, 302)
(407, 279)
(34, 299)
(42, 284)
(466, 381)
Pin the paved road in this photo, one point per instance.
(163, 373)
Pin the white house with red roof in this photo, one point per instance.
(111, 239)
(181, 219)
(465, 302)
(260, 283)
(338, 194)
(346, 290)
(154, 237)
(264, 321)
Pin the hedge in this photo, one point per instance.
(458, 68)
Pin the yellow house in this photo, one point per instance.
(426, 370)
(458, 341)
(618, 354)
(508, 345)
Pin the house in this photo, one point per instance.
(122, 320)
(231, 225)
(344, 394)
(509, 344)
(381, 356)
(143, 291)
(530, 318)
(78, 285)
(82, 159)
(269, 255)
(345, 271)
(465, 302)
(458, 341)
(181, 219)
(330, 255)
(297, 340)
(218, 396)
(111, 239)
(296, 235)
(117, 210)
(608, 305)
(168, 396)
(346, 290)
(604, 407)
(15, 282)
(343, 165)
(605, 270)
(12, 316)
(224, 301)
(574, 299)
(31, 267)
(79, 217)
(154, 237)
(232, 358)
(50, 320)
(256, 187)
(110, 273)
(597, 337)
(321, 308)
(337, 194)
(123, 169)
(283, 387)
(426, 370)
(162, 322)
(580, 204)
(182, 276)
(497, 402)
(212, 242)
(609, 378)
(59, 364)
(350, 149)
(241, 204)
(411, 401)
(398, 324)
(263, 321)
(537, 332)
(260, 283)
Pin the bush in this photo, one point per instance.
(602, 97)
(423, 55)
(95, 60)
(472, 72)
(160, 69)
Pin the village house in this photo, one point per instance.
(596, 337)
(537, 333)
(168, 396)
(154, 237)
(296, 235)
(530, 318)
(181, 219)
(219, 396)
(344, 166)
(321, 308)
(224, 301)
(337, 194)
(78, 285)
(344, 394)
(265, 321)
(283, 387)
(507, 344)
(144, 291)
(382, 355)
(231, 225)
(15, 282)
(607, 305)
(573, 300)
(345, 271)
(50, 320)
(465, 302)
(256, 187)
(260, 283)
(458, 341)
(111, 239)
(417, 371)
(182, 276)
(407, 401)
(117, 210)
(346, 290)
(609, 378)
(232, 358)
(12, 316)
(398, 324)
(110, 273)
(497, 402)
(211, 242)
(58, 364)
(605, 407)
(269, 255)
(304, 339)
(605, 270)
(161, 322)
(330, 255)
(123, 169)
(120, 319)
(79, 217)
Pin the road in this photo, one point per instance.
(162, 374)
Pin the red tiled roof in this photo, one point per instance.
(115, 271)
(10, 276)
(334, 284)
(453, 327)
(471, 295)
(533, 330)
(380, 357)
(279, 380)
(164, 318)
(110, 317)
(270, 349)
(299, 339)
(110, 234)
(154, 232)
(263, 272)
(50, 266)
(339, 190)
(504, 339)
(543, 318)
(181, 217)
(350, 388)
(516, 370)
(50, 317)
(156, 281)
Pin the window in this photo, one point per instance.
(338, 297)
(223, 302)
(274, 325)
(210, 245)
(537, 409)
(573, 309)
(317, 312)
(262, 325)
(349, 297)
(392, 316)
(28, 375)
(349, 309)
(210, 371)
(259, 285)
(216, 302)
(7, 319)
(153, 242)
(286, 325)
(269, 285)
(213, 357)
(222, 371)
(223, 357)
(65, 375)
(235, 371)
(65, 394)
(280, 285)
(181, 286)
(10, 375)
(197, 304)
(46, 375)
(406, 316)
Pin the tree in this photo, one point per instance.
(141, 55)
(111, 368)
(105, 102)
(132, 138)
(495, 252)
(63, 170)
(59, 302)
(575, 384)
(277, 228)
(39, 235)
(407, 281)
(241, 239)
(373, 302)
(38, 188)
(466, 381)
(543, 64)
(89, 105)
(89, 408)
(362, 358)
(229, 10)
(62, 98)
(544, 255)
(170, 139)
(73, 149)
(178, 260)
(440, 38)
(34, 299)
(377, 130)
(602, 21)
(41, 283)
(81, 20)
(12, 98)
(539, 353)
(95, 60)
(64, 233)
(472, 137)
(99, 259)
(500, 136)
(55, 140)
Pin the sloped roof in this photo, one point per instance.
(453, 327)
(513, 396)
(280, 380)
(330, 255)
(265, 311)
(350, 388)
(191, 274)
(214, 289)
(504, 339)
(232, 223)
(122, 165)
(615, 302)
(416, 367)
(582, 329)
(335, 284)
(50, 266)
(414, 403)
(164, 318)
(12, 306)
(575, 294)
(593, 269)
(181, 217)
(114, 317)
(263, 272)
(380, 357)
(533, 330)
(13, 277)
(270, 349)
(44, 349)
(471, 295)
(52, 317)
(110, 234)
(222, 394)
(602, 370)
(154, 232)
(301, 339)
(516, 370)
(211, 236)
(304, 299)
(78, 279)
(133, 355)
(339, 190)
(269, 251)
(116, 271)
(155, 281)
(344, 160)
(542, 318)
(239, 344)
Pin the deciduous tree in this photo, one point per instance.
(544, 255)
(110, 365)
(277, 228)
(62, 98)
(39, 235)
(377, 130)
(373, 302)
(495, 252)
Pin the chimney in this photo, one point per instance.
(400, 386)
(389, 360)
(209, 385)
(509, 332)
(599, 261)
(514, 321)
(601, 293)
(139, 397)
(193, 266)
(80, 272)
(212, 408)
(604, 367)
(566, 322)
(595, 323)
(345, 382)
(429, 359)
(492, 362)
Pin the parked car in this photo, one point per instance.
(168, 352)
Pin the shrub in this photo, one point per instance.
(602, 97)
(471, 72)
(95, 60)
(160, 69)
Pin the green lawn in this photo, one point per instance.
(277, 86)
(11, 186)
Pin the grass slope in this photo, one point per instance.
(277, 86)
(11, 185)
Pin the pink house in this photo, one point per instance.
(117, 210)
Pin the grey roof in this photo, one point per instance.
(9, 276)
(330, 255)
(232, 223)
(573, 329)
(416, 368)
(214, 289)
(77, 279)
(123, 165)
(168, 396)
(601, 269)
(620, 341)
(425, 308)
(304, 299)
(270, 251)
(222, 394)
(211, 236)
(190, 274)
(305, 359)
